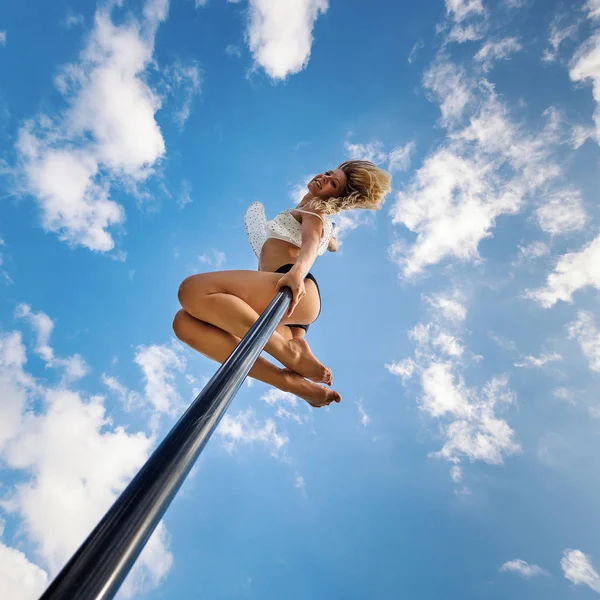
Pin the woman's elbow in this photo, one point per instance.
(333, 245)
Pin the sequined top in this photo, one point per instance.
(283, 227)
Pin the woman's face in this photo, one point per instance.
(330, 184)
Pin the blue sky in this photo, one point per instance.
(461, 321)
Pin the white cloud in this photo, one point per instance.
(285, 404)
(275, 396)
(159, 364)
(107, 135)
(74, 487)
(523, 568)
(470, 425)
(215, 259)
(584, 330)
(372, 151)
(15, 384)
(578, 569)
(20, 579)
(459, 10)
(279, 34)
(2, 38)
(448, 344)
(42, 325)
(496, 50)
(300, 483)
(480, 434)
(535, 362)
(245, 429)
(562, 213)
(456, 473)
(573, 271)
(468, 20)
(403, 369)
(450, 85)
(586, 62)
(564, 394)
(448, 306)
(486, 169)
(182, 83)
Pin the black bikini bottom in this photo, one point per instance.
(287, 268)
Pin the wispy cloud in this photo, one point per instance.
(495, 50)
(467, 20)
(181, 82)
(74, 367)
(365, 419)
(397, 159)
(214, 258)
(573, 271)
(523, 568)
(470, 424)
(538, 362)
(584, 330)
(244, 429)
(185, 195)
(73, 20)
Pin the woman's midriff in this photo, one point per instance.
(275, 253)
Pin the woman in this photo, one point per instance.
(219, 308)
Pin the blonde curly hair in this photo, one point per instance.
(367, 188)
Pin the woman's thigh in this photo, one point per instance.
(256, 288)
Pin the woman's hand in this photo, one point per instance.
(295, 281)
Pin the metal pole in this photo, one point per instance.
(99, 567)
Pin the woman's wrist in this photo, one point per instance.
(298, 270)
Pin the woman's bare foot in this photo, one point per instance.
(316, 395)
(306, 363)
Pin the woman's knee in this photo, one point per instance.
(184, 289)
(192, 287)
(179, 323)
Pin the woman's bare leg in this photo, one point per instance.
(218, 345)
(232, 301)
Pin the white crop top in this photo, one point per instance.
(283, 227)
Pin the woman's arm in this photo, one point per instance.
(312, 230)
(333, 244)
